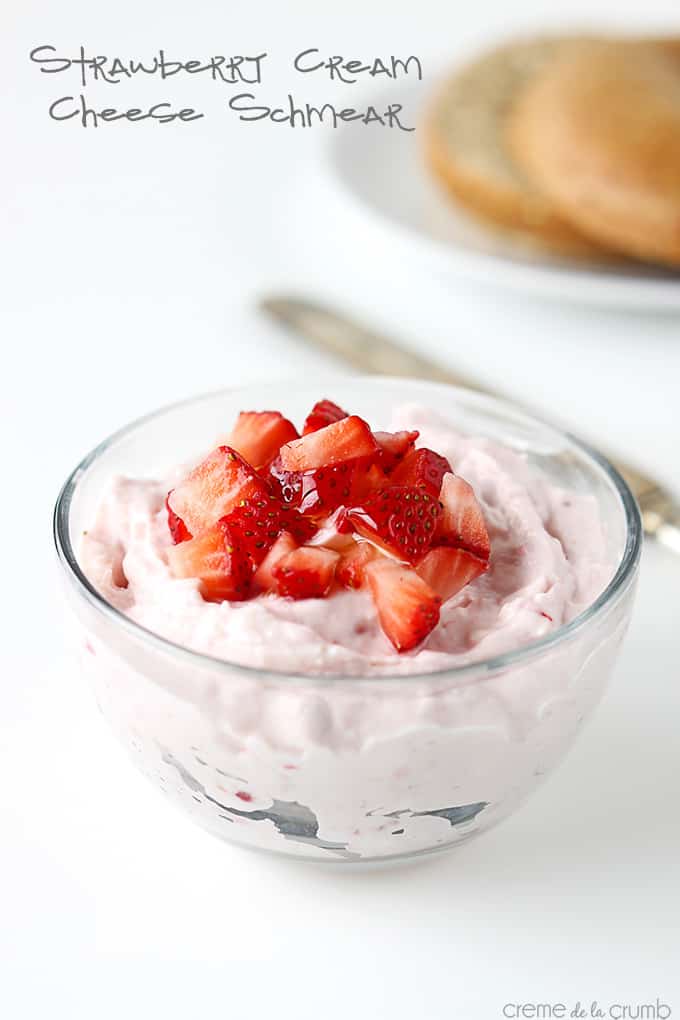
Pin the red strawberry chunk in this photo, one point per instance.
(263, 579)
(344, 440)
(306, 573)
(256, 523)
(350, 571)
(214, 488)
(369, 481)
(259, 435)
(407, 607)
(422, 467)
(321, 491)
(178, 529)
(324, 490)
(286, 484)
(400, 519)
(223, 568)
(462, 523)
(393, 447)
(330, 535)
(324, 412)
(447, 570)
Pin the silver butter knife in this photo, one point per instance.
(356, 345)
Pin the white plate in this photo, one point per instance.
(382, 172)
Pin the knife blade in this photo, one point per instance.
(357, 345)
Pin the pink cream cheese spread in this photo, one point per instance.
(360, 752)
(548, 562)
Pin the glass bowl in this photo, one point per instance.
(339, 768)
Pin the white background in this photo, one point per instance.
(131, 259)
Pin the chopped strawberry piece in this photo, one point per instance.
(263, 579)
(323, 490)
(223, 568)
(407, 607)
(422, 467)
(462, 523)
(214, 488)
(324, 412)
(343, 523)
(286, 484)
(393, 447)
(256, 523)
(178, 529)
(306, 573)
(344, 440)
(259, 435)
(350, 571)
(401, 520)
(329, 533)
(447, 570)
(369, 481)
(327, 488)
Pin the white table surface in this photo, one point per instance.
(131, 258)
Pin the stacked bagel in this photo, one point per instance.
(572, 141)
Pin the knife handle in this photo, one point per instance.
(370, 352)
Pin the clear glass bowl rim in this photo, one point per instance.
(617, 586)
